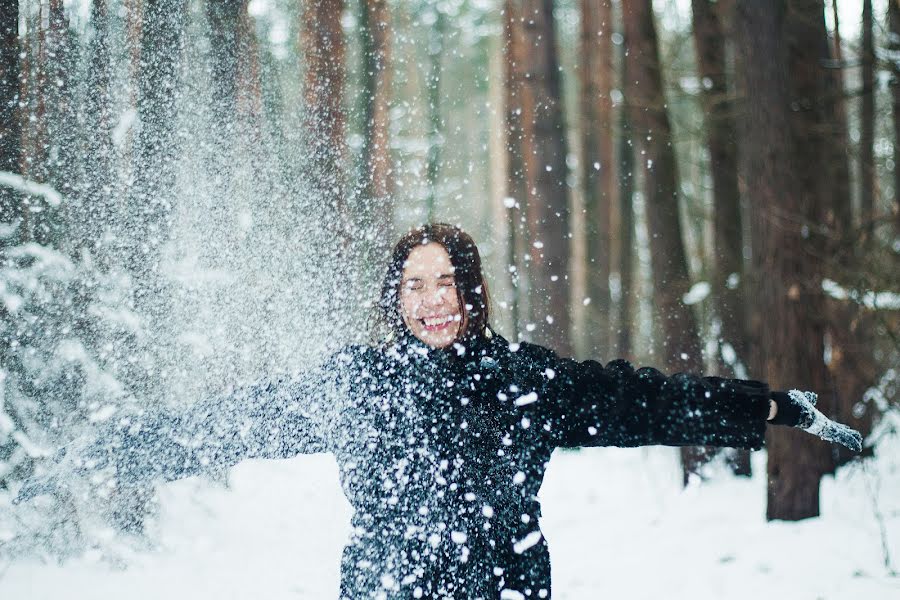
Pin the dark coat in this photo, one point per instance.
(442, 452)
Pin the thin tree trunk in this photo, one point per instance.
(435, 122)
(598, 165)
(98, 167)
(894, 27)
(324, 50)
(544, 155)
(728, 277)
(378, 176)
(775, 171)
(729, 281)
(10, 125)
(516, 191)
(867, 123)
(626, 235)
(650, 122)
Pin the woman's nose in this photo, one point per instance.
(434, 298)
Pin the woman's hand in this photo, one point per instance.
(798, 409)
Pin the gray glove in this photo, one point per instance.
(798, 409)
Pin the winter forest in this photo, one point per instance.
(195, 194)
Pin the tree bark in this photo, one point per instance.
(516, 190)
(598, 165)
(894, 26)
(729, 281)
(435, 121)
(324, 49)
(728, 271)
(153, 190)
(867, 123)
(94, 208)
(776, 172)
(544, 159)
(626, 234)
(650, 122)
(10, 125)
(378, 175)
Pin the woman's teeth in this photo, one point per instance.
(437, 321)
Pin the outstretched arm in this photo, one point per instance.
(270, 419)
(587, 404)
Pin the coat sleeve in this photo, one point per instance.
(587, 404)
(269, 419)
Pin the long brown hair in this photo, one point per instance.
(471, 288)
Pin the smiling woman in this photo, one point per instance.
(442, 432)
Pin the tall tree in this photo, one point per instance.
(544, 151)
(378, 172)
(598, 164)
(46, 146)
(324, 51)
(867, 121)
(894, 27)
(437, 34)
(626, 226)
(775, 171)
(94, 205)
(236, 85)
(10, 128)
(153, 192)
(516, 191)
(721, 139)
(729, 281)
(650, 124)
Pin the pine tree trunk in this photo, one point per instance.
(894, 26)
(323, 48)
(96, 193)
(435, 121)
(598, 165)
(516, 191)
(867, 123)
(544, 158)
(378, 176)
(729, 282)
(852, 363)
(650, 124)
(153, 192)
(10, 126)
(780, 149)
(47, 144)
(626, 236)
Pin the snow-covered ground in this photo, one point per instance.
(618, 523)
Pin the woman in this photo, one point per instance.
(443, 431)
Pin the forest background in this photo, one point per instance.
(194, 193)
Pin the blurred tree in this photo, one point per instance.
(323, 48)
(729, 281)
(236, 87)
(46, 102)
(894, 45)
(780, 161)
(153, 189)
(378, 169)
(544, 152)
(436, 41)
(867, 122)
(626, 227)
(516, 190)
(92, 208)
(10, 127)
(596, 76)
(649, 120)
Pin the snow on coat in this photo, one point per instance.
(441, 452)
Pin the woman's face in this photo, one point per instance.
(428, 299)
